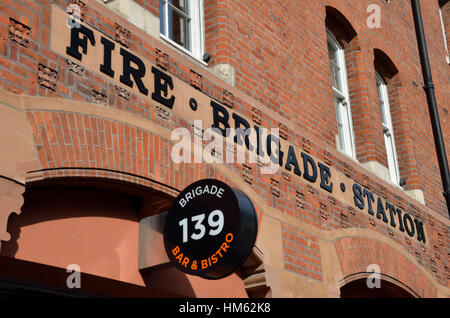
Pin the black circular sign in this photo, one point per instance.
(210, 229)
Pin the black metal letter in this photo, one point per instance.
(108, 47)
(275, 159)
(420, 232)
(399, 215)
(218, 119)
(238, 121)
(311, 177)
(380, 211)
(391, 209)
(325, 175)
(357, 196)
(259, 150)
(409, 228)
(292, 159)
(162, 80)
(76, 41)
(137, 73)
(370, 200)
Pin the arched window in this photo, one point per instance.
(388, 129)
(345, 138)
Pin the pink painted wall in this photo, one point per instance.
(99, 231)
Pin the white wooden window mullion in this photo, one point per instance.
(347, 140)
(444, 34)
(388, 130)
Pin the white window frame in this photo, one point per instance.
(346, 140)
(388, 129)
(444, 34)
(196, 29)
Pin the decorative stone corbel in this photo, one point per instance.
(19, 32)
(11, 202)
(47, 77)
(253, 274)
(122, 35)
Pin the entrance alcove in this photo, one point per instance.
(358, 288)
(94, 223)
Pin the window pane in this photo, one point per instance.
(340, 124)
(341, 98)
(443, 29)
(162, 17)
(335, 68)
(179, 28)
(181, 22)
(392, 162)
(181, 5)
(341, 140)
(335, 76)
(332, 53)
(337, 106)
(383, 112)
(382, 94)
(383, 99)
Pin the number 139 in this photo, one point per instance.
(215, 222)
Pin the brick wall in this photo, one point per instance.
(356, 254)
(301, 253)
(260, 32)
(279, 53)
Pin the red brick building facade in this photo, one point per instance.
(86, 145)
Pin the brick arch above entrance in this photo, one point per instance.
(356, 254)
(71, 139)
(356, 286)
